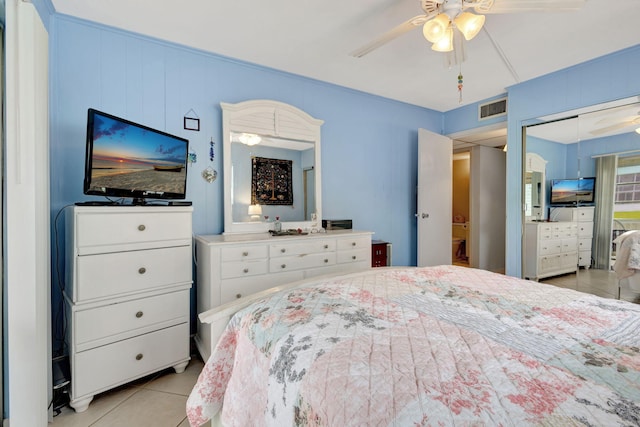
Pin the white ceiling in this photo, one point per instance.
(314, 39)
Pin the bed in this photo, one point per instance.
(435, 346)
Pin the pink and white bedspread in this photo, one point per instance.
(438, 346)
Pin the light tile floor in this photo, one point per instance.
(158, 400)
(602, 283)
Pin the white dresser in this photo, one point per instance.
(583, 217)
(551, 248)
(233, 266)
(127, 281)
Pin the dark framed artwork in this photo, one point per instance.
(191, 120)
(191, 123)
(271, 181)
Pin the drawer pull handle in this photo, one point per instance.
(353, 244)
(139, 314)
(283, 250)
(283, 266)
(142, 270)
(353, 257)
(326, 260)
(139, 356)
(238, 295)
(141, 227)
(245, 253)
(326, 246)
(246, 270)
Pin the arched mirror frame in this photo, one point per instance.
(535, 195)
(275, 120)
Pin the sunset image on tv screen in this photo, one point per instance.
(133, 158)
(572, 190)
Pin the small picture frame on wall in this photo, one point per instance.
(191, 123)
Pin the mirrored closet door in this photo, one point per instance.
(581, 191)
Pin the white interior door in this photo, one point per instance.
(435, 188)
(26, 217)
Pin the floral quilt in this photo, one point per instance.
(435, 346)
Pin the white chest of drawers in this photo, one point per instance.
(230, 267)
(551, 248)
(583, 217)
(127, 281)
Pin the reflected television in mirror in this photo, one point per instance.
(573, 191)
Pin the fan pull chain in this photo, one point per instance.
(460, 87)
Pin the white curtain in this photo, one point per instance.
(606, 168)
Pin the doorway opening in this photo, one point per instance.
(479, 199)
(460, 208)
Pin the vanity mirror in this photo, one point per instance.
(272, 169)
(534, 187)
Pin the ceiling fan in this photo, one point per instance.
(444, 21)
(611, 126)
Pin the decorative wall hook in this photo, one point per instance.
(209, 174)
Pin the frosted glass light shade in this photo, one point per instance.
(445, 44)
(250, 139)
(434, 29)
(469, 24)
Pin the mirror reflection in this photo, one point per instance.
(593, 197)
(272, 177)
(271, 158)
(534, 187)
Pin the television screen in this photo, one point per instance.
(125, 159)
(572, 191)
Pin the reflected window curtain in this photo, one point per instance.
(606, 168)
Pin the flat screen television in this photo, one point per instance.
(126, 159)
(572, 191)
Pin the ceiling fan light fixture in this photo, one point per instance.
(445, 44)
(250, 139)
(434, 29)
(637, 130)
(469, 24)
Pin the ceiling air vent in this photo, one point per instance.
(492, 109)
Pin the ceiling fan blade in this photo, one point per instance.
(515, 6)
(614, 127)
(396, 32)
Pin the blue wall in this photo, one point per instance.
(369, 144)
(613, 144)
(604, 79)
(577, 160)
(466, 117)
